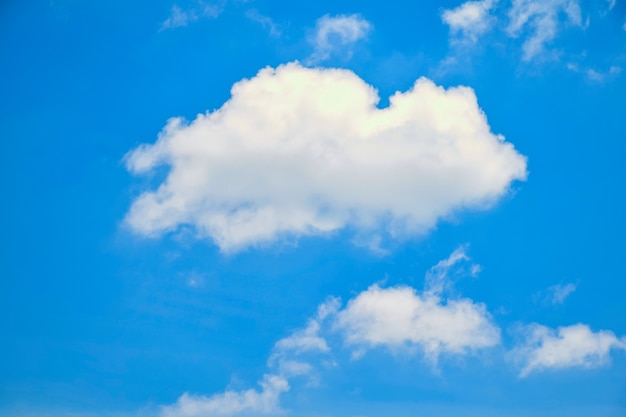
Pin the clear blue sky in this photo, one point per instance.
(214, 208)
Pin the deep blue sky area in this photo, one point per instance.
(103, 318)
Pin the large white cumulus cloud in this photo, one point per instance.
(303, 151)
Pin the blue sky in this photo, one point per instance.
(242, 208)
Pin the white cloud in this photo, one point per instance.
(285, 362)
(595, 75)
(599, 76)
(231, 403)
(180, 18)
(611, 4)
(543, 19)
(300, 151)
(400, 318)
(194, 279)
(334, 35)
(438, 279)
(287, 351)
(565, 347)
(558, 293)
(470, 20)
(265, 21)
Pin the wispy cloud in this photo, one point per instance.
(285, 363)
(599, 76)
(558, 293)
(542, 20)
(595, 75)
(265, 21)
(336, 34)
(182, 17)
(555, 294)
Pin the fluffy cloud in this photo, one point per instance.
(433, 322)
(469, 20)
(231, 402)
(565, 347)
(301, 151)
(399, 317)
(392, 317)
(336, 34)
(543, 19)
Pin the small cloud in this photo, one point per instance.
(558, 293)
(600, 77)
(287, 352)
(230, 403)
(195, 280)
(182, 17)
(595, 75)
(566, 347)
(554, 295)
(179, 18)
(335, 35)
(543, 19)
(400, 317)
(440, 278)
(611, 4)
(469, 21)
(308, 339)
(373, 243)
(572, 66)
(265, 21)
(285, 362)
